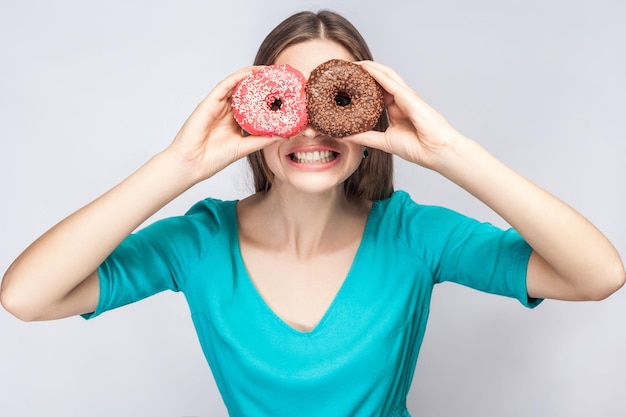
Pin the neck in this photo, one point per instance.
(309, 224)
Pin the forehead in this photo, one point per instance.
(305, 56)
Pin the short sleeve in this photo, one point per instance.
(465, 251)
(154, 259)
(487, 258)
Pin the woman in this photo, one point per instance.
(311, 296)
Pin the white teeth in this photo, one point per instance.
(313, 157)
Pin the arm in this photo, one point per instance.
(56, 276)
(571, 260)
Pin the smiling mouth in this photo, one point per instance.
(313, 157)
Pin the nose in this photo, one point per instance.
(309, 132)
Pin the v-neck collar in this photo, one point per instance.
(337, 299)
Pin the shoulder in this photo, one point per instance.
(202, 223)
(404, 210)
(212, 213)
(423, 229)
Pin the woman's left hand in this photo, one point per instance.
(571, 260)
(416, 131)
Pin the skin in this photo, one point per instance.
(305, 223)
(571, 259)
(309, 227)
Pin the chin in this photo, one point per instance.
(313, 186)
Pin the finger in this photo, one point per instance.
(406, 99)
(394, 88)
(215, 105)
(383, 70)
(388, 83)
(229, 83)
(253, 143)
(224, 89)
(387, 98)
(222, 92)
(371, 139)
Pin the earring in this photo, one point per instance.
(365, 152)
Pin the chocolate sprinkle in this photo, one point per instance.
(343, 99)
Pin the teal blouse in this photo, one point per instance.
(359, 360)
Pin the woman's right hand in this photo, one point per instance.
(57, 275)
(210, 139)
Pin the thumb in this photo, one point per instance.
(371, 139)
(254, 143)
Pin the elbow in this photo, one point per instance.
(14, 303)
(610, 283)
(18, 309)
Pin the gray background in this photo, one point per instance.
(90, 90)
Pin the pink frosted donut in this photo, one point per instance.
(271, 102)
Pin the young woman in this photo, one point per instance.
(311, 296)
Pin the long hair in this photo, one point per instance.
(373, 179)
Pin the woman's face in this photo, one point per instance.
(311, 162)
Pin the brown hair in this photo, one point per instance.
(373, 179)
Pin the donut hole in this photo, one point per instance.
(274, 102)
(342, 99)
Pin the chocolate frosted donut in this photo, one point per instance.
(343, 99)
(271, 102)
